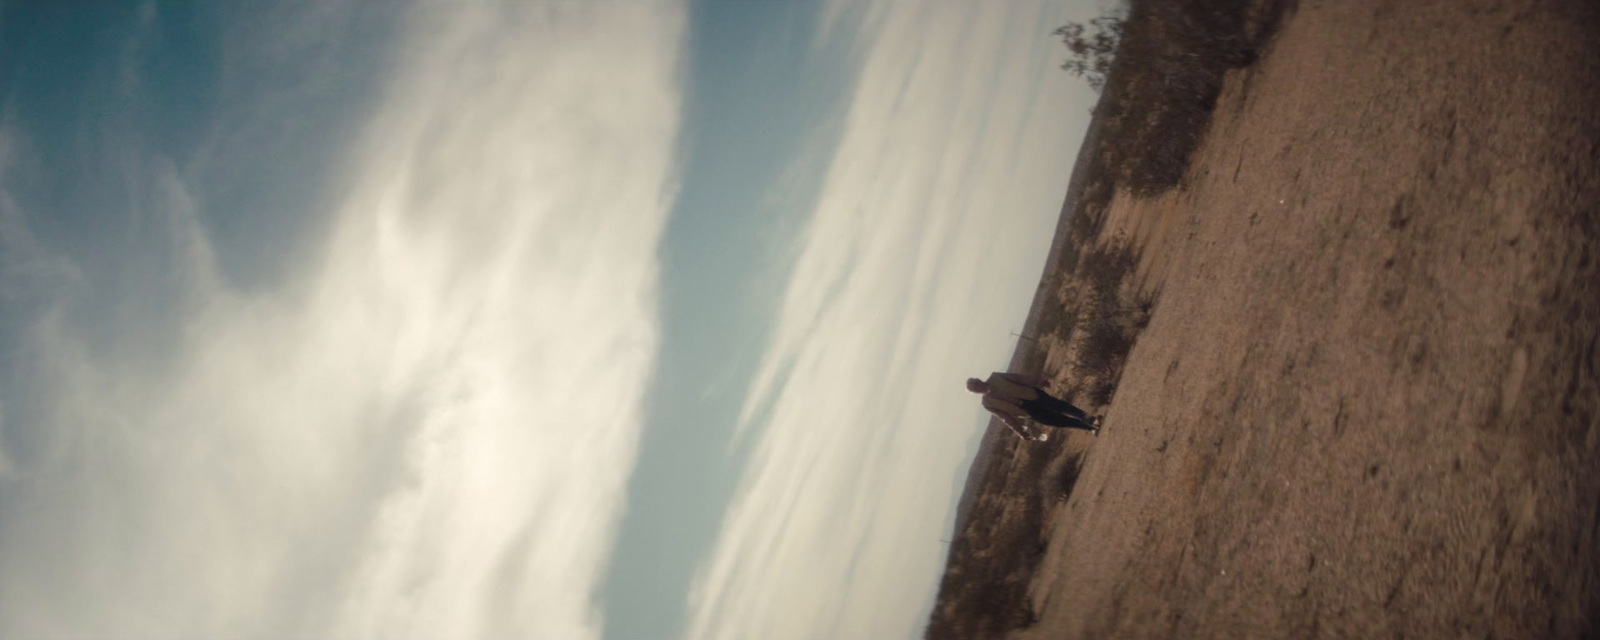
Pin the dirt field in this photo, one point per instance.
(1366, 404)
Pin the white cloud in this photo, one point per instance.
(428, 431)
(923, 254)
(25, 265)
(7, 468)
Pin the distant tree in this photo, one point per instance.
(1092, 45)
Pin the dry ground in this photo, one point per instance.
(1366, 403)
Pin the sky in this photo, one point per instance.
(617, 320)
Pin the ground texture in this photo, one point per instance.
(1366, 403)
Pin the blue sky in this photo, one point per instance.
(622, 320)
(764, 97)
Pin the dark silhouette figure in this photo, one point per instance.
(1016, 398)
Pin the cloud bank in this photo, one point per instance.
(426, 431)
(922, 255)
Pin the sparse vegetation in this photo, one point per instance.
(1111, 321)
(995, 555)
(984, 590)
(1241, 405)
(1161, 85)
(1093, 46)
(1158, 92)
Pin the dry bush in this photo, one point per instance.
(984, 592)
(1111, 317)
(1162, 88)
(1106, 268)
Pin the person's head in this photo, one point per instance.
(976, 386)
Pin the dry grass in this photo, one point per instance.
(995, 556)
(1163, 88)
(1108, 316)
(1157, 103)
(1344, 412)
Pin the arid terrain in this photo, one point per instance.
(1365, 399)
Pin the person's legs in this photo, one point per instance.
(1043, 414)
(1062, 406)
(1053, 419)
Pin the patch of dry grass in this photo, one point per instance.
(1162, 90)
(1158, 102)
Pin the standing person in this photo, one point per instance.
(1016, 398)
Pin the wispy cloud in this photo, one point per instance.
(426, 432)
(923, 253)
(26, 267)
(7, 468)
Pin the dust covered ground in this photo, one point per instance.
(1366, 403)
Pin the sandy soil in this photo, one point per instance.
(1367, 401)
